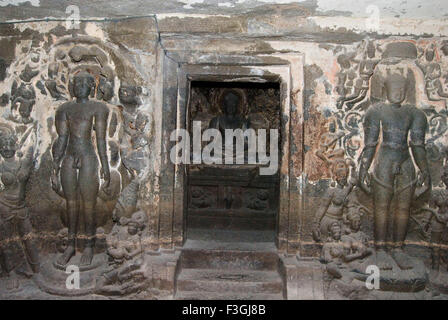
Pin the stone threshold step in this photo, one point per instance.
(228, 260)
(192, 295)
(233, 213)
(206, 280)
(231, 223)
(268, 247)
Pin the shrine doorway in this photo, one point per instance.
(237, 201)
(182, 69)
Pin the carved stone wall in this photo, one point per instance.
(141, 80)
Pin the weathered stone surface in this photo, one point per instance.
(117, 88)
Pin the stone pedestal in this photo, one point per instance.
(53, 277)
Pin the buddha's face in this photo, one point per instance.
(396, 90)
(82, 85)
(231, 102)
(128, 94)
(8, 147)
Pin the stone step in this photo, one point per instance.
(231, 281)
(247, 237)
(231, 223)
(194, 295)
(229, 259)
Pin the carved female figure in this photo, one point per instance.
(335, 202)
(355, 240)
(15, 170)
(338, 255)
(343, 263)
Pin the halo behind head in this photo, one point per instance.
(84, 74)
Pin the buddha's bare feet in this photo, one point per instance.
(87, 256)
(402, 259)
(383, 260)
(66, 256)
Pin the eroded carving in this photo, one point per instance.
(124, 247)
(335, 203)
(15, 169)
(394, 174)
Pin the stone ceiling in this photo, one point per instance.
(18, 10)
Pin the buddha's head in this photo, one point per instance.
(83, 83)
(230, 103)
(396, 87)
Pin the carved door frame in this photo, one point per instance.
(180, 68)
